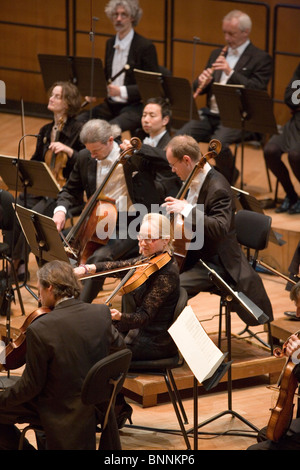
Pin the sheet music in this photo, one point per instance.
(199, 351)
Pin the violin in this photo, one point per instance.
(15, 351)
(137, 273)
(82, 240)
(181, 243)
(57, 162)
(282, 413)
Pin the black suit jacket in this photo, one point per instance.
(62, 346)
(142, 55)
(253, 70)
(220, 242)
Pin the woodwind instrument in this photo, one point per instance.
(126, 67)
(205, 82)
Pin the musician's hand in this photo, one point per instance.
(57, 147)
(174, 205)
(125, 144)
(115, 314)
(206, 76)
(60, 219)
(292, 345)
(222, 64)
(113, 90)
(90, 99)
(84, 269)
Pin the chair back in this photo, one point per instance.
(253, 230)
(181, 303)
(105, 380)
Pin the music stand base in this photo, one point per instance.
(229, 432)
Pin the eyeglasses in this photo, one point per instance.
(147, 239)
(172, 165)
(123, 15)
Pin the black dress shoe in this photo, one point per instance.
(285, 206)
(124, 415)
(292, 315)
(295, 208)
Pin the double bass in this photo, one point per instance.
(181, 242)
(83, 238)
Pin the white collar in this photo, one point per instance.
(239, 50)
(122, 44)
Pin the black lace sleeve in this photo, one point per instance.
(110, 265)
(159, 291)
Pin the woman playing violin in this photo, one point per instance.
(148, 310)
(145, 324)
(291, 439)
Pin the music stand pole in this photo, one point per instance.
(227, 297)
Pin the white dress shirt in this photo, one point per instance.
(232, 57)
(119, 61)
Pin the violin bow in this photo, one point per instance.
(120, 285)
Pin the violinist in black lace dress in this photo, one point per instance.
(148, 310)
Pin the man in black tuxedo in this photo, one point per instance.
(155, 136)
(209, 209)
(61, 347)
(243, 64)
(123, 104)
(131, 187)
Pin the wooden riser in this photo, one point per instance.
(248, 361)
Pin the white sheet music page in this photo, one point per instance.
(200, 353)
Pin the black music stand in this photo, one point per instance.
(82, 71)
(176, 90)
(33, 177)
(247, 110)
(229, 295)
(42, 236)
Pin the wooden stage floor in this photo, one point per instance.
(251, 397)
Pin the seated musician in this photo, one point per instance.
(150, 308)
(59, 354)
(123, 105)
(290, 440)
(220, 250)
(131, 183)
(59, 138)
(155, 136)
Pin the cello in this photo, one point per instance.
(282, 412)
(180, 243)
(82, 240)
(57, 162)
